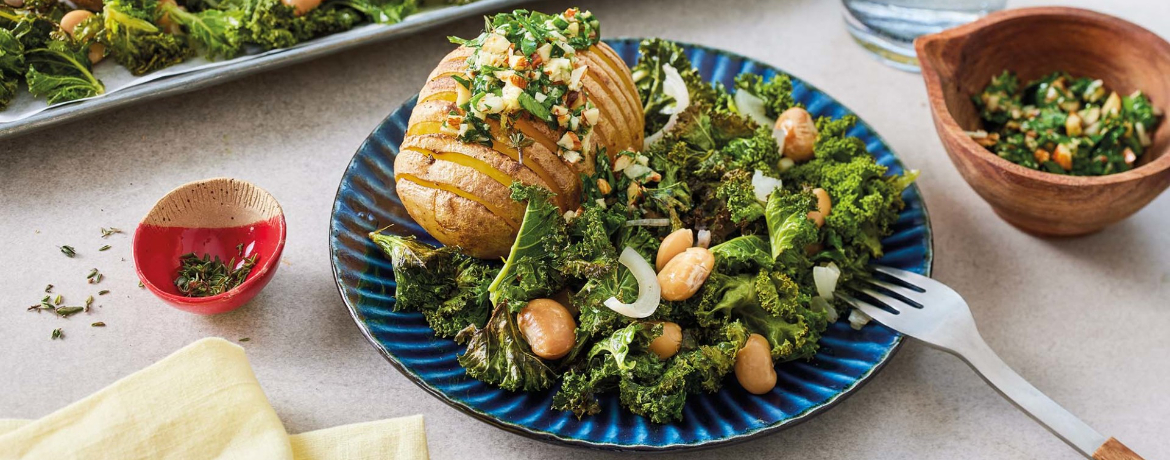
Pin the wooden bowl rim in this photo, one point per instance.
(259, 273)
(951, 132)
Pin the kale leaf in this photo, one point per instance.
(767, 303)
(531, 270)
(776, 93)
(789, 228)
(742, 254)
(447, 287)
(136, 42)
(739, 193)
(499, 355)
(59, 72)
(219, 33)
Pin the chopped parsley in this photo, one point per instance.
(1065, 125)
(525, 64)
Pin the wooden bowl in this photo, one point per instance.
(211, 216)
(959, 62)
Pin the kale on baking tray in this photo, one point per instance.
(148, 35)
(12, 66)
(218, 33)
(135, 39)
(59, 71)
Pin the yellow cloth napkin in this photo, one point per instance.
(202, 402)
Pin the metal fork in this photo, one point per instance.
(930, 311)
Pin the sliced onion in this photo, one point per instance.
(780, 134)
(826, 279)
(704, 239)
(820, 303)
(674, 86)
(764, 185)
(662, 222)
(658, 135)
(753, 107)
(858, 318)
(649, 292)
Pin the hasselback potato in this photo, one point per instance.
(459, 190)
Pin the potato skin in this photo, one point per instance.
(457, 221)
(480, 232)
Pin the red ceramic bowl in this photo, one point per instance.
(213, 217)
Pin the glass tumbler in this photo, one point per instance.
(887, 28)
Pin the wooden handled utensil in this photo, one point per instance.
(930, 311)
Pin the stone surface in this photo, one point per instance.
(1083, 319)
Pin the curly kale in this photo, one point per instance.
(758, 152)
(647, 385)
(54, 67)
(739, 193)
(621, 341)
(865, 200)
(12, 66)
(134, 39)
(579, 389)
(499, 355)
(382, 11)
(448, 287)
(219, 33)
(776, 93)
(592, 254)
(531, 270)
(649, 77)
(60, 72)
(767, 303)
(272, 24)
(742, 254)
(595, 319)
(661, 394)
(789, 228)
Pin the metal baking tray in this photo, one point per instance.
(190, 81)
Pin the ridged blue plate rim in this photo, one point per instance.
(848, 359)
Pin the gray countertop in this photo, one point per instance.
(1086, 319)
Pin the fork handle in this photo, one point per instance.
(1115, 450)
(1043, 409)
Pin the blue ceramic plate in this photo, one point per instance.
(366, 201)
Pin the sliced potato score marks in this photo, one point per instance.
(604, 75)
(424, 127)
(500, 144)
(498, 211)
(447, 96)
(445, 74)
(602, 52)
(464, 160)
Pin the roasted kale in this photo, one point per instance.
(447, 287)
(60, 72)
(148, 35)
(697, 174)
(135, 40)
(498, 354)
(531, 270)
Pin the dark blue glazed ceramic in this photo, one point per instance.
(366, 201)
